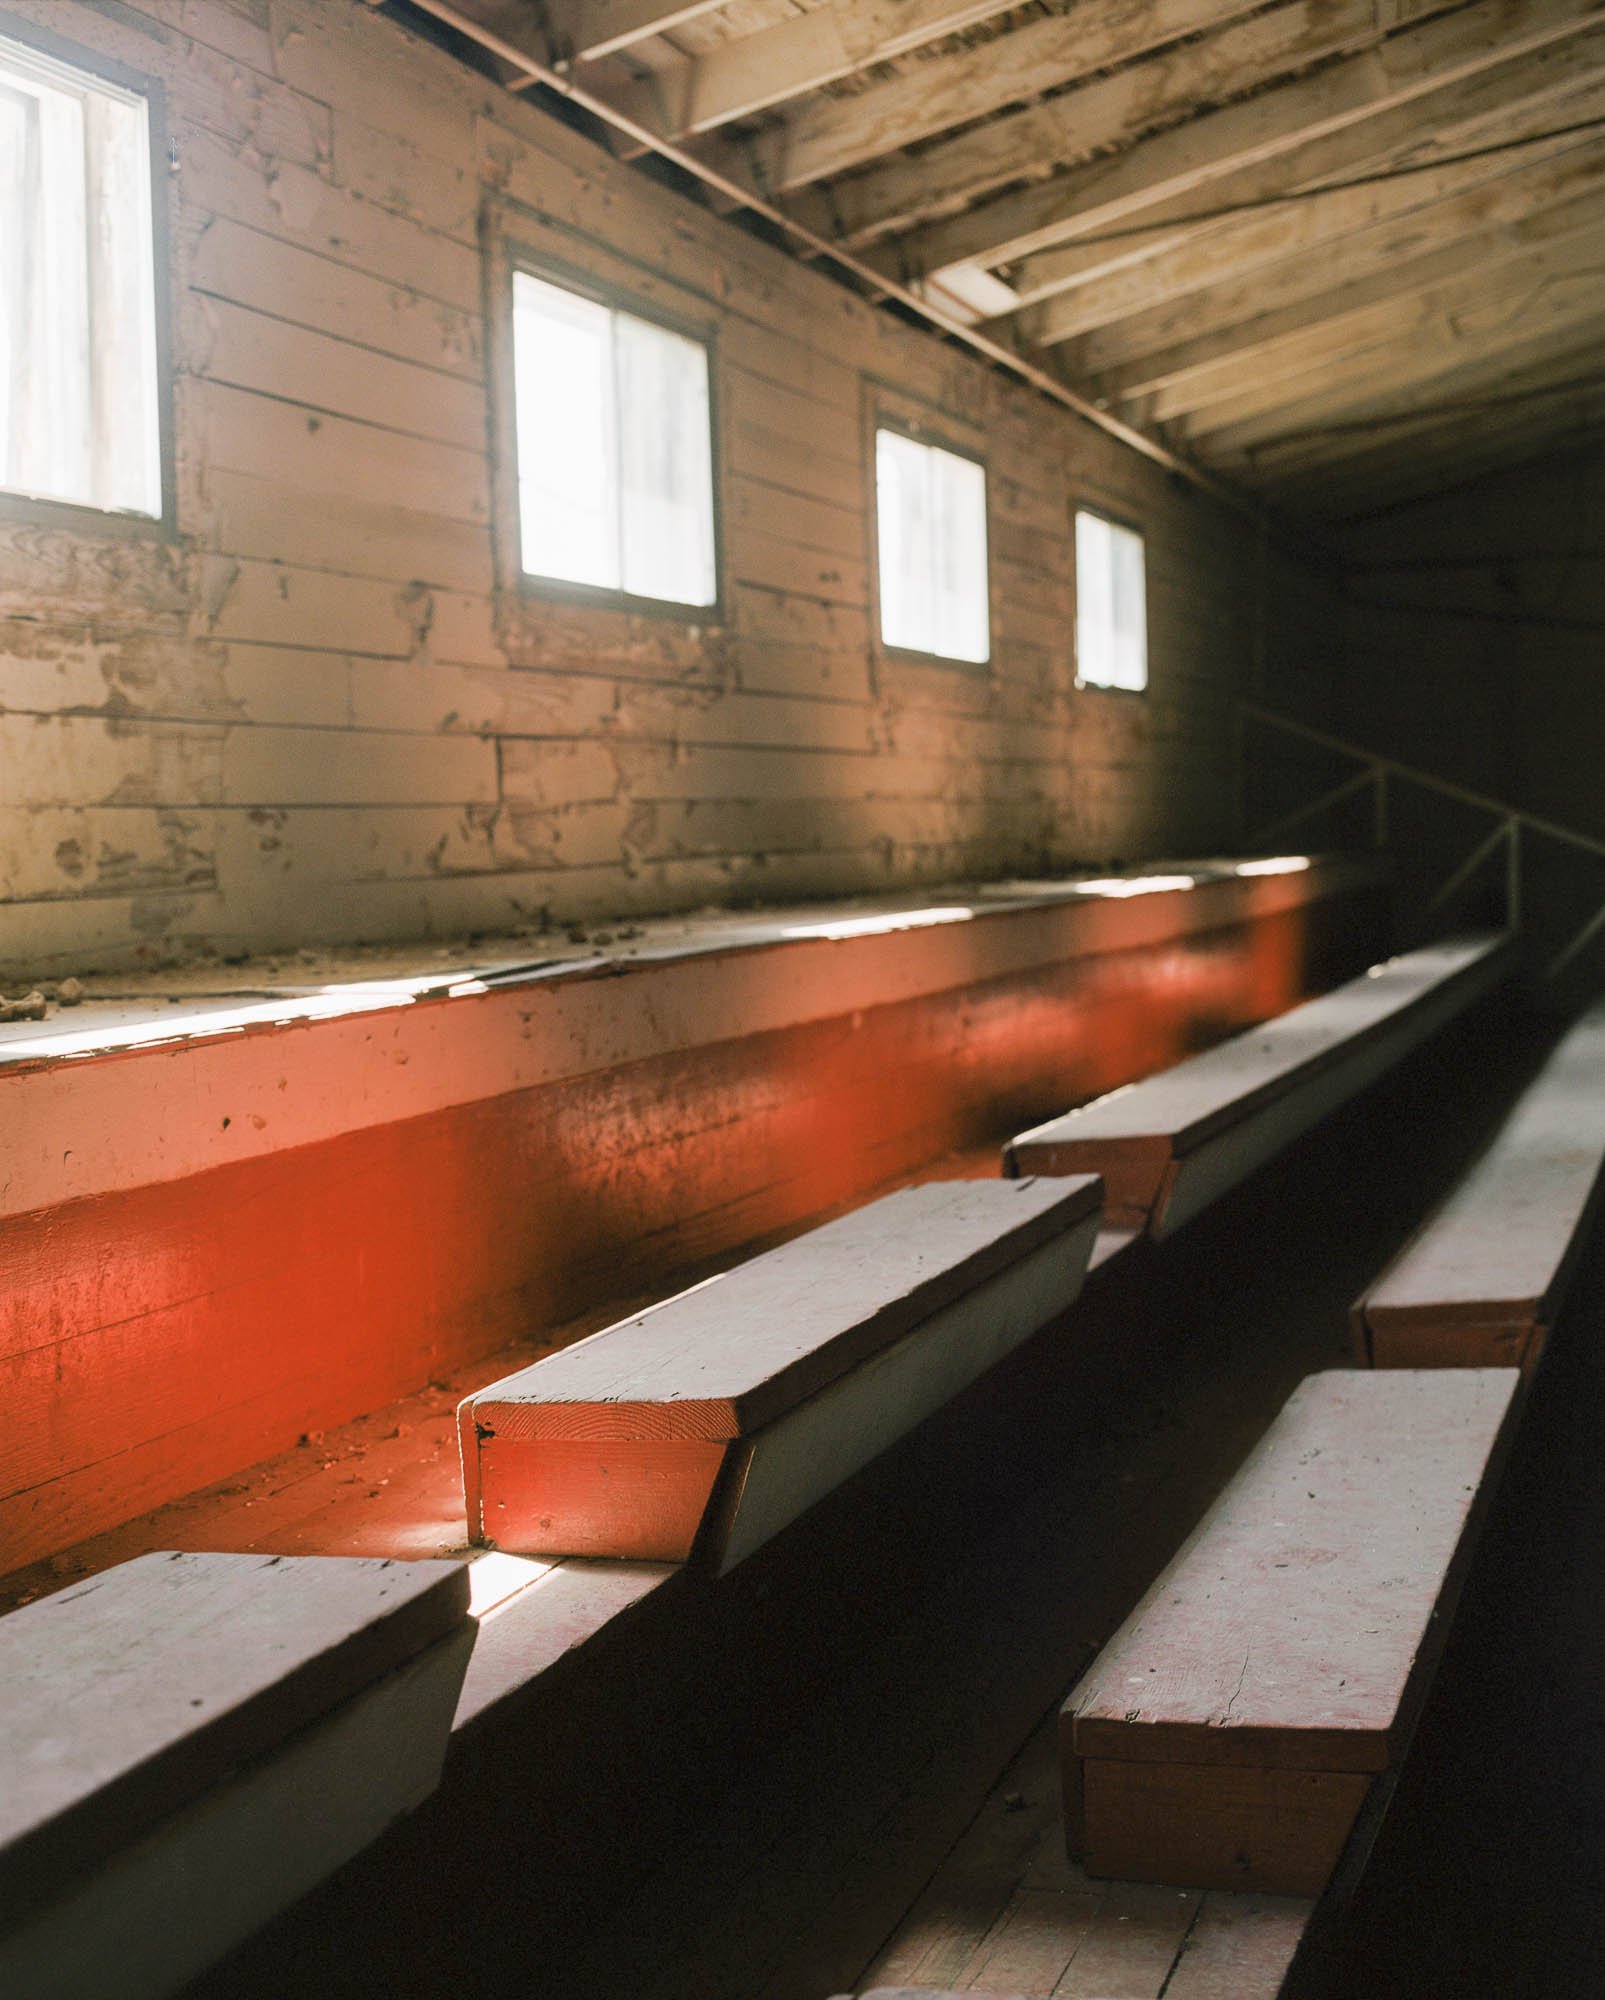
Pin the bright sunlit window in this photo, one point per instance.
(1111, 605)
(931, 536)
(78, 371)
(615, 449)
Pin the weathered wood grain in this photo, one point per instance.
(1229, 1734)
(203, 1880)
(1171, 1144)
(815, 1357)
(1444, 54)
(1113, 113)
(128, 1696)
(1484, 1277)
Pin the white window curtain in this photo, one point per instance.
(1111, 605)
(78, 406)
(615, 452)
(931, 533)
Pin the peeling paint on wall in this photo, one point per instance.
(315, 715)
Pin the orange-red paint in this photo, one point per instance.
(156, 1337)
(644, 1499)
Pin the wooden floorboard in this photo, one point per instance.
(1008, 1912)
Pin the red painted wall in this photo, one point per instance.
(156, 1337)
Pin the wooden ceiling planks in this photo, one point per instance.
(1283, 238)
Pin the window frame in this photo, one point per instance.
(518, 256)
(81, 516)
(883, 416)
(1111, 519)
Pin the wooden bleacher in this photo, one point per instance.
(1480, 1283)
(1260, 1698)
(192, 1742)
(790, 1407)
(1169, 1146)
(712, 1421)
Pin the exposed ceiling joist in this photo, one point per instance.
(584, 30)
(1331, 181)
(753, 72)
(1524, 417)
(838, 134)
(1442, 289)
(1425, 353)
(1539, 369)
(1270, 129)
(1472, 453)
(1298, 241)
(1471, 235)
(1108, 115)
(1266, 259)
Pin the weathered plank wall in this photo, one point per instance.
(314, 714)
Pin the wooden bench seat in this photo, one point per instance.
(1480, 1283)
(1264, 1691)
(713, 1420)
(1169, 1146)
(191, 1742)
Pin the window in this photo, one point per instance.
(615, 448)
(1111, 605)
(79, 418)
(931, 538)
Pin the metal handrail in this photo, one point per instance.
(1551, 829)
(1379, 768)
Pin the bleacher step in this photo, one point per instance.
(1170, 1145)
(1234, 1728)
(711, 1421)
(1480, 1283)
(194, 1741)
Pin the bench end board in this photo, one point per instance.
(639, 1500)
(1488, 1270)
(1215, 1826)
(1416, 1340)
(1136, 1173)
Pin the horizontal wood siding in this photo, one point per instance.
(314, 714)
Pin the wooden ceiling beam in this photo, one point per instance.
(1112, 114)
(1459, 236)
(1539, 375)
(1455, 461)
(1558, 86)
(756, 72)
(1456, 440)
(837, 135)
(1283, 132)
(586, 30)
(1270, 258)
(1419, 361)
(1507, 273)
(1454, 443)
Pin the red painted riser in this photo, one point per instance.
(161, 1338)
